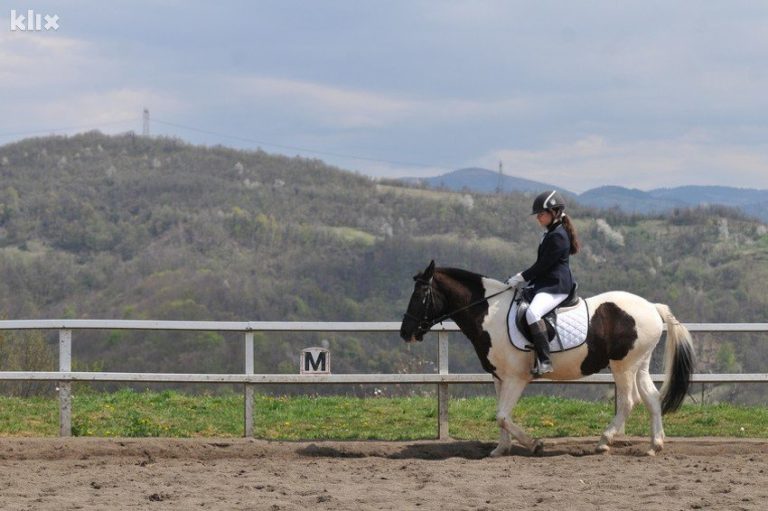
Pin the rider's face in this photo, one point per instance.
(544, 218)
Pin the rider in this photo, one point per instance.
(550, 275)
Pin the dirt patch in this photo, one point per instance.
(87, 473)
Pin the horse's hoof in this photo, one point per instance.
(538, 448)
(655, 449)
(602, 448)
(498, 452)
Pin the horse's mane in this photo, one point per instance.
(460, 274)
(474, 281)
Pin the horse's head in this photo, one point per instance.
(423, 307)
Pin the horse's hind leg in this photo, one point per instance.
(625, 383)
(509, 391)
(635, 400)
(650, 396)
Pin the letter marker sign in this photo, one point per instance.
(315, 361)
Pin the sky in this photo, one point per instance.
(579, 94)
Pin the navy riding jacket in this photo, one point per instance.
(551, 272)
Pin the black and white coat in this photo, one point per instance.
(624, 329)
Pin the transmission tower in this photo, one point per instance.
(500, 181)
(145, 128)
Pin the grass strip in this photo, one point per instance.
(127, 413)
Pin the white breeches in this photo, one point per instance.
(541, 304)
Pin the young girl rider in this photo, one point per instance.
(550, 276)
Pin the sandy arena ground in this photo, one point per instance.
(87, 473)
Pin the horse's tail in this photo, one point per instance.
(679, 360)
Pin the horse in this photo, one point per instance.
(623, 330)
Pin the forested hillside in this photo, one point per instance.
(95, 226)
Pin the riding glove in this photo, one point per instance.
(516, 280)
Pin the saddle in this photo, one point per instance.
(550, 318)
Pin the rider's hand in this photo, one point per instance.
(516, 280)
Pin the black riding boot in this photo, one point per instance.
(541, 346)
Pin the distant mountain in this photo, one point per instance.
(744, 197)
(630, 200)
(751, 201)
(481, 180)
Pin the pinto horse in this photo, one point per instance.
(623, 331)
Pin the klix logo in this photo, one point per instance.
(33, 22)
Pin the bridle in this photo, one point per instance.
(425, 324)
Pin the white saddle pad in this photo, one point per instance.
(572, 327)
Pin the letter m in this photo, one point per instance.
(317, 365)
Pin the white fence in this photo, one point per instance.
(443, 378)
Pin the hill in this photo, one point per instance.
(95, 226)
(750, 201)
(480, 180)
(661, 200)
(630, 200)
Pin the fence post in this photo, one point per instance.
(442, 388)
(65, 388)
(248, 386)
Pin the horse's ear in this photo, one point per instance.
(430, 270)
(426, 274)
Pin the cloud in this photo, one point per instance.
(645, 164)
(42, 61)
(105, 106)
(336, 105)
(359, 108)
(59, 81)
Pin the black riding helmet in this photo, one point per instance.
(550, 199)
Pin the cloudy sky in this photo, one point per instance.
(580, 94)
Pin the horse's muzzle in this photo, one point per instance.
(419, 330)
(416, 336)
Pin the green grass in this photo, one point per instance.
(350, 235)
(171, 414)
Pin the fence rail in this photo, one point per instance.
(443, 378)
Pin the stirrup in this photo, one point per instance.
(541, 368)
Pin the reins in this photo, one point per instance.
(426, 324)
(478, 302)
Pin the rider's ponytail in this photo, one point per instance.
(571, 230)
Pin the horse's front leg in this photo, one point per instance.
(508, 393)
(505, 443)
